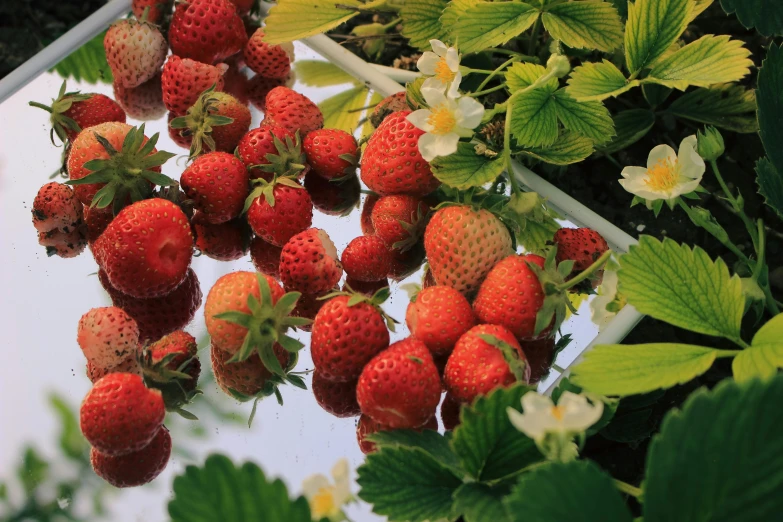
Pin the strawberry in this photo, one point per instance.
(246, 379)
(258, 87)
(294, 111)
(143, 102)
(271, 149)
(395, 103)
(114, 163)
(309, 262)
(157, 8)
(366, 427)
(333, 198)
(217, 183)
(73, 111)
(540, 356)
(400, 387)
(142, 264)
(56, 207)
(216, 119)
(171, 366)
(366, 217)
(96, 220)
(135, 51)
(486, 357)
(183, 80)
(206, 30)
(129, 365)
(337, 398)
(366, 258)
(120, 415)
(392, 163)
(222, 242)
(399, 220)
(583, 246)
(449, 412)
(438, 317)
(366, 288)
(265, 257)
(108, 336)
(463, 244)
(63, 244)
(332, 153)
(349, 330)
(279, 210)
(269, 61)
(136, 468)
(162, 315)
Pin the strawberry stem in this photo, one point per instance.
(507, 148)
(590, 270)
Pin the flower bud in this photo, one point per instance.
(710, 144)
(558, 65)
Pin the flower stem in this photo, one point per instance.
(627, 488)
(586, 273)
(769, 300)
(496, 71)
(724, 241)
(531, 44)
(392, 24)
(486, 91)
(509, 52)
(735, 205)
(507, 148)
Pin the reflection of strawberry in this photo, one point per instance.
(129, 365)
(367, 426)
(332, 153)
(540, 356)
(223, 242)
(438, 317)
(269, 150)
(96, 219)
(389, 105)
(136, 468)
(399, 220)
(403, 264)
(245, 379)
(258, 87)
(217, 183)
(171, 366)
(184, 80)
(337, 398)
(308, 307)
(367, 288)
(583, 246)
(269, 61)
(265, 257)
(293, 111)
(135, 51)
(279, 210)
(333, 198)
(206, 30)
(366, 217)
(143, 102)
(449, 412)
(309, 262)
(366, 258)
(63, 244)
(108, 336)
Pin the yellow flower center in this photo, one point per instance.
(322, 504)
(663, 176)
(443, 72)
(558, 412)
(441, 119)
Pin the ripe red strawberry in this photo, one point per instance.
(63, 244)
(309, 262)
(73, 111)
(135, 51)
(511, 296)
(271, 149)
(293, 111)
(367, 288)
(463, 244)
(477, 367)
(183, 80)
(366, 427)
(399, 220)
(332, 153)
(171, 366)
(143, 102)
(157, 8)
(366, 217)
(206, 30)
(108, 336)
(265, 257)
(142, 264)
(55, 207)
(246, 379)
(366, 258)
(258, 87)
(540, 356)
(400, 387)
(583, 246)
(224, 241)
(337, 398)
(136, 468)
(392, 163)
(333, 198)
(395, 103)
(279, 210)
(162, 315)
(120, 415)
(269, 61)
(217, 183)
(215, 122)
(438, 317)
(129, 365)
(449, 412)
(349, 331)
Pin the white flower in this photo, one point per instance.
(442, 66)
(668, 175)
(327, 499)
(446, 120)
(607, 297)
(541, 417)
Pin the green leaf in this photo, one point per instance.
(597, 81)
(433, 443)
(489, 24)
(407, 484)
(770, 185)
(421, 21)
(465, 168)
(317, 73)
(71, 439)
(630, 126)
(32, 471)
(535, 236)
(765, 15)
(617, 369)
(522, 75)
(707, 61)
(727, 106)
(534, 118)
(683, 287)
(337, 109)
(765, 354)
(87, 63)
(652, 27)
(488, 446)
(480, 503)
(590, 119)
(219, 490)
(770, 104)
(570, 147)
(454, 11)
(576, 491)
(720, 459)
(291, 20)
(591, 24)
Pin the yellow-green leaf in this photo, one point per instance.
(590, 119)
(617, 369)
(590, 24)
(727, 106)
(630, 126)
(317, 73)
(569, 147)
(454, 11)
(489, 24)
(522, 74)
(536, 235)
(595, 81)
(341, 111)
(291, 20)
(765, 354)
(533, 118)
(465, 168)
(699, 6)
(653, 25)
(707, 61)
(421, 21)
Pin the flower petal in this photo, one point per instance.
(634, 172)
(453, 91)
(661, 153)
(434, 84)
(533, 402)
(691, 164)
(439, 47)
(469, 112)
(427, 62)
(685, 187)
(452, 59)
(419, 118)
(637, 187)
(433, 95)
(433, 145)
(313, 484)
(525, 423)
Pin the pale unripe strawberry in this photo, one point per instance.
(135, 51)
(108, 336)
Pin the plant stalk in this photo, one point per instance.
(586, 273)
(627, 488)
(496, 72)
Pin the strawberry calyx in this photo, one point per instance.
(289, 160)
(376, 300)
(518, 367)
(415, 229)
(271, 387)
(171, 382)
(199, 121)
(60, 105)
(127, 173)
(267, 190)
